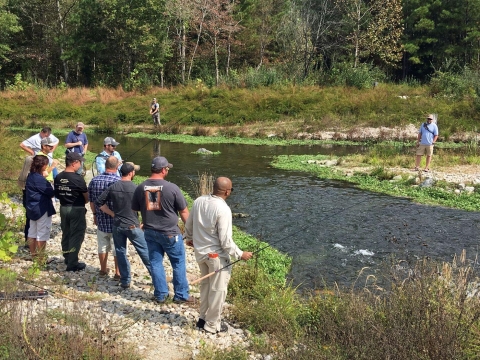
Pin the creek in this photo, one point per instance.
(331, 229)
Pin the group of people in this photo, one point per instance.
(115, 202)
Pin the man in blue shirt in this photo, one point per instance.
(104, 221)
(109, 146)
(427, 136)
(76, 140)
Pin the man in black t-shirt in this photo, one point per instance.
(71, 190)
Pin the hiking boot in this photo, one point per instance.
(125, 286)
(223, 328)
(200, 323)
(80, 266)
(190, 300)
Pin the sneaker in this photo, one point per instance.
(125, 286)
(200, 323)
(116, 277)
(190, 300)
(223, 328)
(80, 266)
(158, 301)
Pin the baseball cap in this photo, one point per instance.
(47, 141)
(80, 124)
(74, 156)
(128, 167)
(110, 141)
(160, 162)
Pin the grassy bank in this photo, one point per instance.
(305, 109)
(380, 179)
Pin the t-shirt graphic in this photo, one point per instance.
(153, 197)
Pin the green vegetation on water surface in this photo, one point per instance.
(378, 180)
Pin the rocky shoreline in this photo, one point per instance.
(167, 330)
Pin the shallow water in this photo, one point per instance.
(331, 229)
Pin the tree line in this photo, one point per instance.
(170, 42)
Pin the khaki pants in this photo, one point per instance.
(213, 291)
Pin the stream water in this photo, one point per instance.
(331, 229)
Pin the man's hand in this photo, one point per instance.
(247, 255)
(189, 243)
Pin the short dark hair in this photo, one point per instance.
(38, 162)
(47, 130)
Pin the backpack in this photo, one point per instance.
(94, 164)
(22, 177)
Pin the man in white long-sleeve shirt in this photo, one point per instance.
(209, 229)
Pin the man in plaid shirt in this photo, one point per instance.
(104, 221)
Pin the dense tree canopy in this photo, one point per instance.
(156, 42)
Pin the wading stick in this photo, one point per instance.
(53, 292)
(204, 277)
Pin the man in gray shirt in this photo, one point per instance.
(125, 221)
(160, 203)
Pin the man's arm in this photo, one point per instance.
(85, 196)
(435, 139)
(73, 144)
(184, 215)
(189, 230)
(27, 149)
(107, 210)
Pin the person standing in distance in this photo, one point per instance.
(209, 230)
(155, 112)
(109, 149)
(125, 221)
(77, 140)
(427, 136)
(160, 202)
(71, 190)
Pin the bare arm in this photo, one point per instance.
(184, 214)
(435, 139)
(107, 210)
(70, 145)
(85, 148)
(85, 196)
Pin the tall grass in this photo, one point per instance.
(428, 311)
(320, 108)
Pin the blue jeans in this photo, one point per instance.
(159, 244)
(137, 239)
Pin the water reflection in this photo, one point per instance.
(331, 229)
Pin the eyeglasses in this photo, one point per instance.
(429, 119)
(113, 145)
